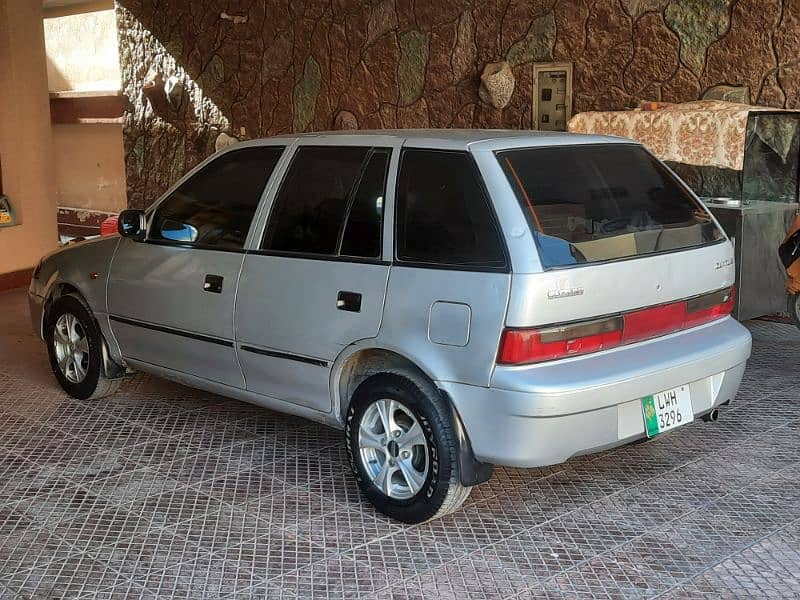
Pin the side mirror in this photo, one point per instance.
(132, 224)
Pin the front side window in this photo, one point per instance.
(443, 214)
(214, 208)
(330, 203)
(593, 203)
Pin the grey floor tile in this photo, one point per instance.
(242, 486)
(174, 505)
(30, 547)
(289, 508)
(131, 486)
(228, 526)
(336, 577)
(344, 529)
(158, 549)
(471, 528)
(196, 468)
(165, 491)
(274, 554)
(475, 579)
(70, 577)
(404, 554)
(107, 526)
(207, 576)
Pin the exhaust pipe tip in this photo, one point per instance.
(712, 416)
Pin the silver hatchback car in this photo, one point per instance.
(452, 300)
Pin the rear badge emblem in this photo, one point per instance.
(721, 264)
(564, 293)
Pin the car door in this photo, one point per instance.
(171, 297)
(317, 283)
(450, 280)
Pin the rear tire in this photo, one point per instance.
(75, 350)
(409, 469)
(794, 308)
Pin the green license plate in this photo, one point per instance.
(667, 410)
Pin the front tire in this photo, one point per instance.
(74, 346)
(403, 448)
(794, 308)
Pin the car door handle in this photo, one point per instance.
(213, 284)
(349, 301)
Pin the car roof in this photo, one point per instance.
(461, 139)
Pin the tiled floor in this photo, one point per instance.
(163, 491)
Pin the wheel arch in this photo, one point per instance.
(111, 367)
(356, 364)
(56, 290)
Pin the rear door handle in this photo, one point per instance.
(213, 284)
(349, 301)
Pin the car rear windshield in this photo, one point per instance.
(595, 203)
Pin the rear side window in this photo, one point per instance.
(319, 192)
(593, 203)
(443, 214)
(362, 232)
(330, 203)
(214, 207)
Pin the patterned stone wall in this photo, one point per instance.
(193, 69)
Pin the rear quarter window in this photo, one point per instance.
(443, 213)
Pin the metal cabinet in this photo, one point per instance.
(756, 230)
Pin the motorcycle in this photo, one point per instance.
(789, 252)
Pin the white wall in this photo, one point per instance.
(82, 49)
(25, 137)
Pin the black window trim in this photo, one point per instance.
(278, 253)
(190, 246)
(150, 212)
(320, 257)
(371, 150)
(351, 200)
(680, 182)
(396, 261)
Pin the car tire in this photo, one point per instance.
(74, 347)
(794, 308)
(411, 476)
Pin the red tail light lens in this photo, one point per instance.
(652, 322)
(538, 345)
(524, 346)
(709, 307)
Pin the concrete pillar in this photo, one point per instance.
(25, 139)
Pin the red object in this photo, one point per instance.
(109, 226)
(525, 346)
(711, 313)
(652, 322)
(520, 346)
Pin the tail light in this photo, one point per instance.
(524, 346)
(709, 307)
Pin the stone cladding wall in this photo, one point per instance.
(195, 69)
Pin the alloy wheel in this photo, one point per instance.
(71, 347)
(393, 449)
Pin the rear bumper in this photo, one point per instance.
(543, 414)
